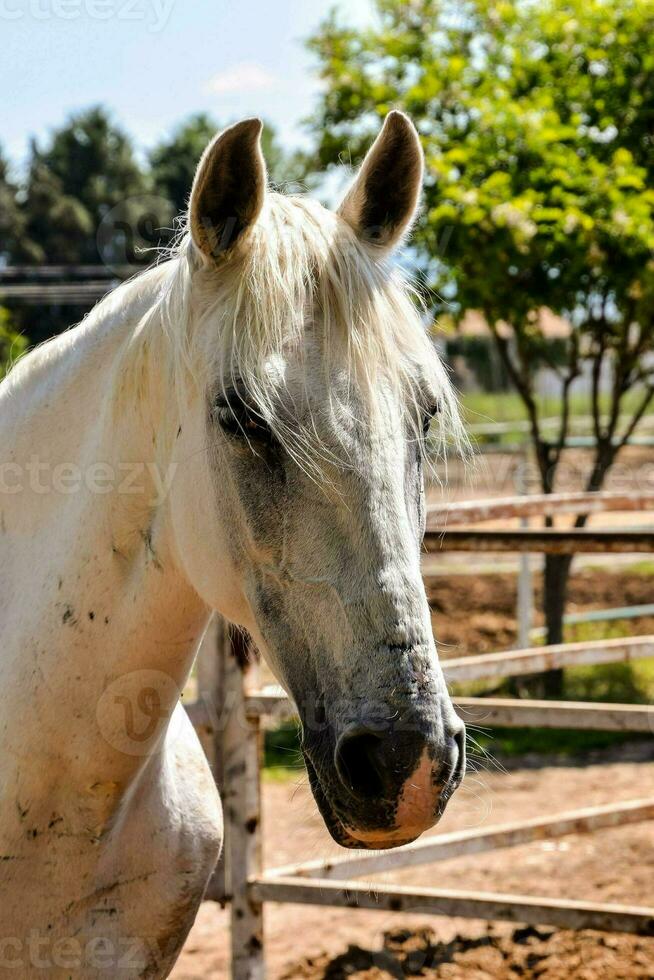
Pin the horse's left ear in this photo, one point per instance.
(382, 202)
(229, 189)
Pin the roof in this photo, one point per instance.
(553, 327)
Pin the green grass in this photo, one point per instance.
(623, 682)
(282, 758)
(644, 567)
(481, 406)
(283, 774)
(502, 742)
(511, 742)
(619, 683)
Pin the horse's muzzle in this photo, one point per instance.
(389, 787)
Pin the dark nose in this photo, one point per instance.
(372, 764)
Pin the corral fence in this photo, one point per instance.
(70, 285)
(230, 711)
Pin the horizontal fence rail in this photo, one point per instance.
(76, 285)
(511, 713)
(471, 905)
(533, 660)
(572, 442)
(614, 614)
(10, 273)
(581, 715)
(75, 294)
(547, 541)
(536, 505)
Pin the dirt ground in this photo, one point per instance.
(475, 613)
(536, 954)
(496, 474)
(610, 865)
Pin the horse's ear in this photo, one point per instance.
(382, 202)
(229, 188)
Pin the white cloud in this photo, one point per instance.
(244, 77)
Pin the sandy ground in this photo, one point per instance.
(527, 953)
(475, 613)
(500, 474)
(610, 865)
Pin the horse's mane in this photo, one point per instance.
(301, 268)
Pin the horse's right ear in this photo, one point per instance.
(382, 202)
(228, 190)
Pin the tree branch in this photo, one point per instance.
(596, 378)
(638, 414)
(570, 377)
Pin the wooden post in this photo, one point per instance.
(242, 809)
(210, 669)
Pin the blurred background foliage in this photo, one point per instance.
(536, 119)
(86, 187)
(12, 344)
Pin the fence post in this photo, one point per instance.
(242, 809)
(210, 666)
(525, 603)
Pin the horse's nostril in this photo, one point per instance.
(358, 763)
(372, 765)
(458, 766)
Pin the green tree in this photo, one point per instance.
(56, 227)
(536, 120)
(84, 202)
(10, 216)
(87, 169)
(12, 344)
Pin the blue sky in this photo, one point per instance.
(152, 62)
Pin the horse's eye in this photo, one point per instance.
(241, 421)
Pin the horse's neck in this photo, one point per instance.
(90, 584)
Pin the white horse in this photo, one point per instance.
(240, 429)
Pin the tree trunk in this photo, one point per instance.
(557, 574)
(555, 586)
